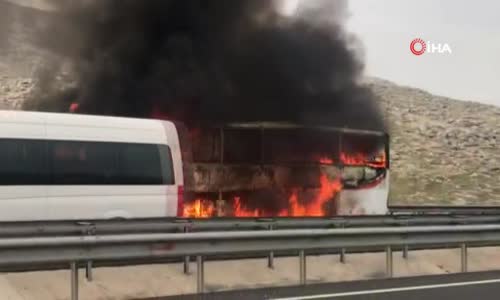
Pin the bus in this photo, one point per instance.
(285, 170)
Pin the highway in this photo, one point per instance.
(483, 285)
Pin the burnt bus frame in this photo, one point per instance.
(187, 150)
(187, 153)
(263, 126)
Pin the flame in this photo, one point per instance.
(296, 208)
(357, 159)
(327, 192)
(315, 208)
(240, 212)
(360, 159)
(326, 161)
(199, 209)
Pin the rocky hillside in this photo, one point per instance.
(19, 59)
(444, 151)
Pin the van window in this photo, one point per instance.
(77, 163)
(23, 162)
(39, 162)
(98, 163)
(142, 164)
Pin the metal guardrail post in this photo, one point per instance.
(388, 260)
(342, 251)
(342, 255)
(200, 282)
(187, 259)
(405, 251)
(74, 280)
(270, 258)
(302, 263)
(88, 271)
(463, 256)
(186, 265)
(405, 247)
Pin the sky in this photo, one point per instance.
(470, 28)
(385, 28)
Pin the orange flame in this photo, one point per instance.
(199, 209)
(315, 208)
(360, 159)
(241, 212)
(296, 208)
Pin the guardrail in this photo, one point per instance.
(173, 225)
(445, 209)
(76, 249)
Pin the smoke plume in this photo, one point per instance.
(205, 61)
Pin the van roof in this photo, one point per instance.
(71, 119)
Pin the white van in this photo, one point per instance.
(75, 167)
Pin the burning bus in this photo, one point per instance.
(284, 170)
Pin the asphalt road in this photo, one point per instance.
(483, 285)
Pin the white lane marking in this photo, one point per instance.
(392, 290)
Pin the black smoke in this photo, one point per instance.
(208, 61)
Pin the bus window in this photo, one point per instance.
(354, 177)
(242, 146)
(206, 145)
(364, 150)
(300, 146)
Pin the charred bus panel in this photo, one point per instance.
(273, 170)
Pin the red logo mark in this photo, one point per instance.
(413, 47)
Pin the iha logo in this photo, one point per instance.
(419, 46)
